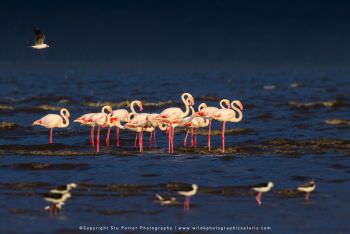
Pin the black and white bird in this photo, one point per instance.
(57, 200)
(165, 201)
(64, 188)
(307, 189)
(262, 188)
(39, 40)
(188, 194)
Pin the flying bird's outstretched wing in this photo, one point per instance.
(39, 37)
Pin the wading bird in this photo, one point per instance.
(228, 115)
(172, 116)
(165, 201)
(262, 188)
(208, 111)
(188, 194)
(120, 116)
(86, 120)
(57, 200)
(64, 188)
(101, 120)
(307, 189)
(52, 121)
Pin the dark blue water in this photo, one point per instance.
(284, 138)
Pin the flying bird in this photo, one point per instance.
(39, 40)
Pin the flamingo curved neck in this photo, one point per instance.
(162, 127)
(104, 109)
(132, 107)
(64, 114)
(237, 110)
(224, 101)
(202, 105)
(186, 102)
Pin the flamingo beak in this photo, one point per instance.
(141, 107)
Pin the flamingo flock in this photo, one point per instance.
(140, 122)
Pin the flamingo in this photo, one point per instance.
(139, 124)
(228, 115)
(100, 119)
(52, 121)
(208, 111)
(121, 116)
(84, 120)
(152, 121)
(172, 117)
(195, 123)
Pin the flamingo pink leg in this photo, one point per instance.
(108, 134)
(92, 141)
(117, 137)
(195, 140)
(169, 137)
(172, 139)
(98, 139)
(258, 198)
(141, 141)
(223, 136)
(192, 138)
(185, 139)
(209, 135)
(150, 140)
(136, 139)
(50, 141)
(154, 138)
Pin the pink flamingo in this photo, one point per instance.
(54, 121)
(173, 116)
(100, 119)
(208, 111)
(152, 121)
(121, 116)
(228, 115)
(195, 123)
(139, 124)
(84, 120)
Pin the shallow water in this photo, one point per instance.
(287, 136)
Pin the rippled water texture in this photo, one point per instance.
(295, 128)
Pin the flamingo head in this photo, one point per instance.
(109, 109)
(240, 105)
(79, 120)
(190, 100)
(227, 102)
